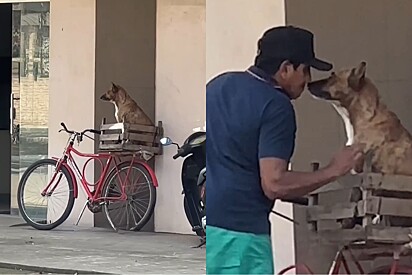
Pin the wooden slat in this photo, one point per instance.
(342, 236)
(133, 147)
(141, 128)
(388, 234)
(113, 126)
(388, 182)
(346, 182)
(327, 225)
(396, 207)
(128, 147)
(371, 233)
(338, 211)
(385, 206)
(371, 252)
(160, 134)
(331, 198)
(142, 137)
(369, 206)
(111, 137)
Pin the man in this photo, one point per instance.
(250, 140)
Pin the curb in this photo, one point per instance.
(42, 269)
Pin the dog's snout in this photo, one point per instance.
(103, 97)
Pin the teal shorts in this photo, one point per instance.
(231, 252)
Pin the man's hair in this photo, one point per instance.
(271, 65)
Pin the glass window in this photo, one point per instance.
(30, 89)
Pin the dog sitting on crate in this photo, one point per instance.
(368, 121)
(126, 109)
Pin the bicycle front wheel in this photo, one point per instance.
(135, 211)
(42, 208)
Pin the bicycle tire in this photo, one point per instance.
(22, 184)
(150, 210)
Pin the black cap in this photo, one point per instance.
(293, 44)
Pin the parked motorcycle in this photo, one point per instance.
(193, 177)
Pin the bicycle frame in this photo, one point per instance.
(69, 162)
(340, 260)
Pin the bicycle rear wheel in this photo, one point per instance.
(134, 212)
(45, 212)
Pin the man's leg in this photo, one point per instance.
(222, 254)
(257, 257)
(231, 252)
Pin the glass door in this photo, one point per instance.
(30, 89)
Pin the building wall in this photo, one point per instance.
(180, 98)
(348, 32)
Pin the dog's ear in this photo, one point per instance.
(357, 76)
(115, 88)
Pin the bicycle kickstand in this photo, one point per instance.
(202, 243)
(81, 213)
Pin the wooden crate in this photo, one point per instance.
(343, 211)
(125, 137)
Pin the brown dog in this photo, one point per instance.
(126, 109)
(368, 121)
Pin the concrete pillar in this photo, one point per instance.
(180, 98)
(233, 47)
(72, 80)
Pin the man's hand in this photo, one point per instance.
(278, 183)
(345, 160)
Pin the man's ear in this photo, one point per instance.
(285, 67)
(357, 76)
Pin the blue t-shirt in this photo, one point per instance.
(247, 118)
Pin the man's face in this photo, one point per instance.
(293, 80)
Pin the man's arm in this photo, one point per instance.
(276, 145)
(278, 183)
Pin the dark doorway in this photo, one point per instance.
(5, 98)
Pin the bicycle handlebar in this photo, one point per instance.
(97, 132)
(65, 128)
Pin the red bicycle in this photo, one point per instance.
(369, 250)
(341, 260)
(128, 203)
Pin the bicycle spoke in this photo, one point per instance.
(130, 213)
(133, 215)
(139, 204)
(46, 210)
